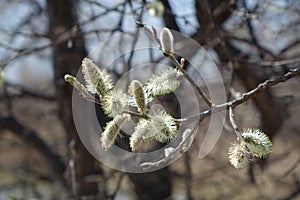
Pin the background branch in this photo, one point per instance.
(32, 138)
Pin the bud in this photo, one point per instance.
(257, 142)
(166, 40)
(111, 131)
(98, 80)
(182, 62)
(114, 102)
(138, 94)
(76, 84)
(238, 155)
(164, 82)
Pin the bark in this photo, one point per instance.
(62, 20)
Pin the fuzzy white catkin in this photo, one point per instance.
(98, 80)
(238, 155)
(162, 126)
(167, 40)
(164, 81)
(114, 102)
(140, 134)
(257, 142)
(111, 131)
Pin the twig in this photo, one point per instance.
(191, 81)
(293, 195)
(293, 167)
(281, 62)
(234, 125)
(12, 124)
(188, 175)
(23, 92)
(251, 29)
(178, 149)
(244, 97)
(177, 64)
(265, 85)
(72, 167)
(135, 114)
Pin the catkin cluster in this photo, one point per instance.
(118, 105)
(254, 143)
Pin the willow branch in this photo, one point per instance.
(153, 33)
(191, 81)
(233, 123)
(244, 97)
(179, 149)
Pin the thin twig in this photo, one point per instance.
(179, 149)
(72, 168)
(188, 175)
(201, 94)
(281, 62)
(31, 137)
(191, 81)
(234, 125)
(293, 167)
(244, 97)
(265, 85)
(135, 114)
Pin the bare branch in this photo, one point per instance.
(264, 86)
(244, 97)
(181, 148)
(234, 125)
(201, 94)
(30, 136)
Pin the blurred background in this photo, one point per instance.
(41, 155)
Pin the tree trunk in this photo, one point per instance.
(63, 30)
(153, 185)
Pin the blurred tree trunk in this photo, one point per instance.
(152, 185)
(68, 51)
(169, 17)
